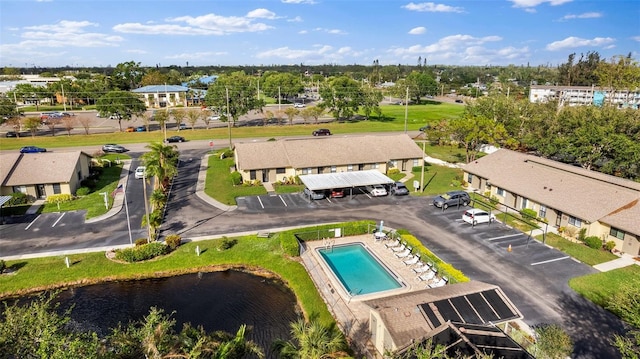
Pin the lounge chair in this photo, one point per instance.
(422, 268)
(441, 283)
(427, 277)
(412, 261)
(392, 244)
(406, 253)
(399, 248)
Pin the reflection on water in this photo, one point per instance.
(217, 301)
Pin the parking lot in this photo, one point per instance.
(296, 201)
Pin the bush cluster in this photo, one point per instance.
(143, 252)
(227, 243)
(444, 269)
(59, 198)
(17, 199)
(173, 241)
(610, 245)
(236, 178)
(141, 242)
(593, 242)
(393, 171)
(528, 214)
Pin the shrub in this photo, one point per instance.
(89, 183)
(455, 183)
(418, 169)
(173, 241)
(582, 234)
(444, 269)
(18, 198)
(528, 214)
(141, 242)
(142, 253)
(610, 245)
(82, 191)
(236, 178)
(393, 171)
(227, 243)
(3, 266)
(59, 198)
(593, 242)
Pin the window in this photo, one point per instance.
(280, 170)
(469, 178)
(306, 171)
(349, 167)
(374, 165)
(320, 170)
(394, 163)
(252, 175)
(56, 188)
(500, 192)
(20, 189)
(575, 221)
(525, 203)
(416, 163)
(615, 232)
(542, 213)
(79, 175)
(361, 167)
(334, 169)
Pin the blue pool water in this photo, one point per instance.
(358, 271)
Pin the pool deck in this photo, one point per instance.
(351, 314)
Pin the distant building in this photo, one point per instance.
(584, 95)
(160, 96)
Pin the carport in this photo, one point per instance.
(3, 201)
(350, 180)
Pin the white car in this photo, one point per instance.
(475, 216)
(298, 105)
(140, 172)
(377, 190)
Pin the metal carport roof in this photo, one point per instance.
(344, 179)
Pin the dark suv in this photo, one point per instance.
(453, 198)
(322, 132)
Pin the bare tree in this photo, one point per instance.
(85, 122)
(193, 115)
(52, 123)
(68, 122)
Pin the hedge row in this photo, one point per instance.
(143, 252)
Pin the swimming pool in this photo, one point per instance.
(358, 270)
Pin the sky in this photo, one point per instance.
(86, 33)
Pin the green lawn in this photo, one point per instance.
(288, 188)
(437, 179)
(599, 287)
(220, 186)
(94, 201)
(579, 251)
(250, 253)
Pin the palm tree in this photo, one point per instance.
(162, 162)
(314, 341)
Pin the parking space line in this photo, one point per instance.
(502, 237)
(58, 220)
(32, 222)
(550, 260)
(259, 200)
(283, 202)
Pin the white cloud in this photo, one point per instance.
(330, 31)
(261, 14)
(318, 54)
(418, 30)
(533, 3)
(636, 38)
(210, 24)
(136, 51)
(63, 34)
(586, 15)
(573, 42)
(295, 19)
(303, 32)
(432, 7)
(196, 55)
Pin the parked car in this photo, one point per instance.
(32, 149)
(313, 194)
(130, 129)
(140, 172)
(11, 134)
(183, 126)
(425, 128)
(337, 193)
(298, 105)
(141, 129)
(452, 198)
(175, 139)
(110, 147)
(459, 101)
(214, 118)
(399, 189)
(474, 216)
(377, 190)
(322, 132)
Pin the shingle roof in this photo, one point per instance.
(39, 168)
(585, 194)
(160, 89)
(325, 151)
(404, 319)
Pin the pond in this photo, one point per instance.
(216, 300)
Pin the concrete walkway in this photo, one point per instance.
(624, 261)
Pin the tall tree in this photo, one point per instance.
(179, 114)
(286, 85)
(161, 162)
(154, 77)
(127, 76)
(122, 104)
(312, 340)
(473, 131)
(233, 94)
(342, 96)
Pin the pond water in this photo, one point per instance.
(216, 300)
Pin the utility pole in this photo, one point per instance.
(406, 109)
(146, 205)
(228, 118)
(423, 156)
(64, 101)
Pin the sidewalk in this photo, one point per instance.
(118, 200)
(624, 261)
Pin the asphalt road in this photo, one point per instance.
(533, 275)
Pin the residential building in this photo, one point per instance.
(584, 95)
(41, 174)
(161, 96)
(563, 195)
(273, 161)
